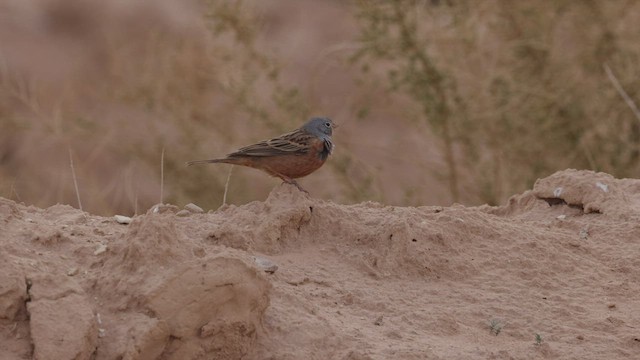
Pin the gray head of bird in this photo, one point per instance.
(321, 127)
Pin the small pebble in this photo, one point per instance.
(193, 208)
(164, 209)
(561, 217)
(603, 187)
(266, 264)
(101, 249)
(122, 219)
(183, 213)
(72, 271)
(378, 321)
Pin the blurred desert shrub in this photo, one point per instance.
(510, 91)
(115, 83)
(514, 90)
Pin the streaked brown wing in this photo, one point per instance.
(296, 142)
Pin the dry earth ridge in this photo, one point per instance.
(552, 274)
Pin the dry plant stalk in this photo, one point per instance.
(621, 91)
(13, 190)
(162, 177)
(135, 203)
(75, 180)
(226, 187)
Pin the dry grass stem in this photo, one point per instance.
(135, 203)
(75, 180)
(162, 177)
(226, 186)
(621, 91)
(12, 190)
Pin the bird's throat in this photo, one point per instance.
(326, 149)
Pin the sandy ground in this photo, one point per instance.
(552, 274)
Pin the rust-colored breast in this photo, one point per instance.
(295, 166)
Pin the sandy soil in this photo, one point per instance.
(552, 274)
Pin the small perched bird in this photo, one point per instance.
(289, 156)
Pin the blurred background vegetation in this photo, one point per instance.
(438, 101)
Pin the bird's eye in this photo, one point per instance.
(327, 124)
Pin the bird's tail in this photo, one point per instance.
(198, 162)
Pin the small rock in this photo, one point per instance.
(101, 249)
(266, 265)
(163, 209)
(561, 217)
(73, 271)
(183, 213)
(101, 332)
(122, 219)
(378, 321)
(603, 187)
(193, 208)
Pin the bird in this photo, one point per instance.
(289, 156)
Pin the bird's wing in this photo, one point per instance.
(293, 143)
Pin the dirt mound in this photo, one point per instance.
(551, 274)
(79, 286)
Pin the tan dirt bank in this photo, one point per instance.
(555, 273)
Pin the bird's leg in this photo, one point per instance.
(291, 181)
(286, 179)
(299, 187)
